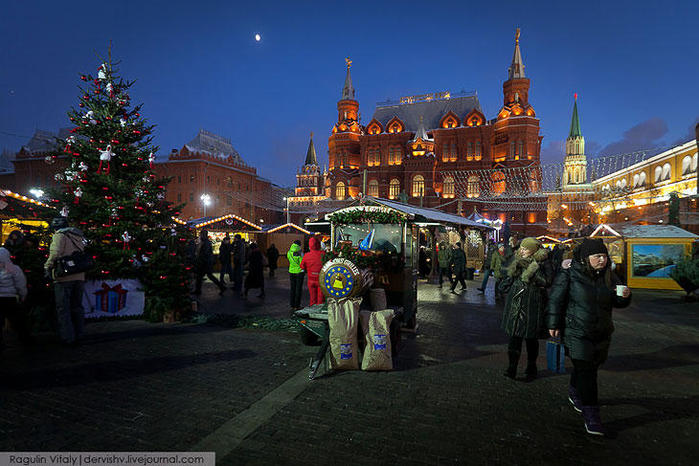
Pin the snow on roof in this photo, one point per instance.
(655, 231)
(432, 111)
(45, 141)
(213, 144)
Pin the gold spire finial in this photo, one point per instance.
(517, 36)
(349, 62)
(311, 134)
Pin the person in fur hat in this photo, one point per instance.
(528, 276)
(580, 309)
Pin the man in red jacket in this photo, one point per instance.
(312, 263)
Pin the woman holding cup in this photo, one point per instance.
(580, 310)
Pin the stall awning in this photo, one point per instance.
(417, 214)
(228, 219)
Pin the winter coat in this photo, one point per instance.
(444, 256)
(12, 279)
(496, 265)
(294, 255)
(313, 261)
(65, 242)
(224, 253)
(458, 260)
(205, 256)
(238, 248)
(256, 277)
(492, 251)
(525, 305)
(580, 306)
(272, 257)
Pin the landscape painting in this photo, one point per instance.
(655, 260)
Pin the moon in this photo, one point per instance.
(258, 37)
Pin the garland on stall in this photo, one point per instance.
(367, 216)
(362, 259)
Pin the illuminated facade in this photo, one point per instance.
(310, 187)
(439, 150)
(640, 192)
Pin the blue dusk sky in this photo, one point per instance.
(634, 64)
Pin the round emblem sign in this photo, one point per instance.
(338, 281)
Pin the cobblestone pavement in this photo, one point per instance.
(140, 386)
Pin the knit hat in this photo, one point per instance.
(591, 246)
(530, 244)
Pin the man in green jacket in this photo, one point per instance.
(444, 258)
(458, 260)
(295, 255)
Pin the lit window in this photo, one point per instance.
(393, 189)
(469, 151)
(373, 189)
(658, 174)
(478, 150)
(512, 149)
(534, 184)
(340, 192)
(449, 186)
(499, 185)
(667, 169)
(394, 156)
(473, 186)
(687, 165)
(418, 186)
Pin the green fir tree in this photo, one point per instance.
(109, 191)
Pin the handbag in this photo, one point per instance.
(555, 356)
(77, 262)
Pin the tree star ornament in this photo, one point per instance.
(105, 156)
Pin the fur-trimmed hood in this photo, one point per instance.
(524, 268)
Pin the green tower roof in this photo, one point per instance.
(311, 154)
(575, 122)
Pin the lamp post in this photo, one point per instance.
(287, 209)
(206, 200)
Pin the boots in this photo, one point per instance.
(531, 371)
(593, 422)
(513, 360)
(574, 398)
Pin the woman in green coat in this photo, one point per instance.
(528, 276)
(580, 309)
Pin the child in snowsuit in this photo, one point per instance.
(312, 263)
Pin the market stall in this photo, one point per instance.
(282, 236)
(230, 224)
(646, 254)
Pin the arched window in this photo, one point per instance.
(473, 186)
(448, 188)
(418, 186)
(694, 162)
(499, 185)
(469, 151)
(393, 188)
(636, 179)
(534, 184)
(565, 177)
(520, 148)
(687, 165)
(373, 188)
(667, 172)
(340, 192)
(478, 150)
(576, 175)
(452, 156)
(658, 174)
(445, 152)
(394, 155)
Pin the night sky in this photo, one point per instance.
(634, 64)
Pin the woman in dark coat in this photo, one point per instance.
(528, 276)
(580, 308)
(256, 276)
(272, 257)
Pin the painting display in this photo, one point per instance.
(655, 260)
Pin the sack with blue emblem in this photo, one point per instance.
(555, 356)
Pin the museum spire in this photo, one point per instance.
(516, 70)
(348, 90)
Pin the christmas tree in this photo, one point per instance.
(110, 192)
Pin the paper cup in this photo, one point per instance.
(620, 290)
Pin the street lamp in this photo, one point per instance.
(206, 200)
(36, 192)
(287, 209)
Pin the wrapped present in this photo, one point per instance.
(555, 356)
(110, 299)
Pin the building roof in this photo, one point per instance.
(45, 141)
(655, 231)
(432, 111)
(575, 122)
(311, 158)
(213, 144)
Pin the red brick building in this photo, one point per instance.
(209, 165)
(439, 150)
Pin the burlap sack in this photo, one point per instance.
(378, 299)
(377, 354)
(343, 319)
